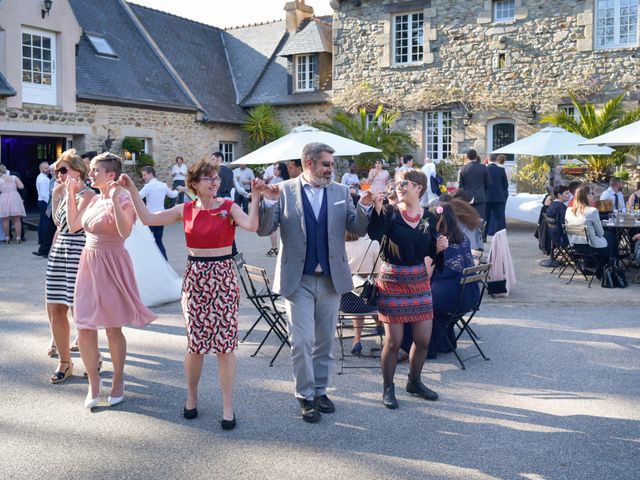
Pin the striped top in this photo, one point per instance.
(60, 217)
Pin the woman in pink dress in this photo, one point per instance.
(11, 206)
(106, 294)
(378, 178)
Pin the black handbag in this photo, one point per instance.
(369, 289)
(497, 287)
(607, 277)
(619, 277)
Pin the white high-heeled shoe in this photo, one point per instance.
(93, 402)
(112, 401)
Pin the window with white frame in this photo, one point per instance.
(570, 110)
(438, 135)
(504, 10)
(227, 149)
(38, 67)
(408, 38)
(616, 23)
(305, 66)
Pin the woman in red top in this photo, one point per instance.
(210, 294)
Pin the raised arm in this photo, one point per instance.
(122, 209)
(249, 222)
(166, 217)
(75, 211)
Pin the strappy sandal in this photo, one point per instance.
(74, 347)
(272, 252)
(100, 359)
(59, 376)
(52, 351)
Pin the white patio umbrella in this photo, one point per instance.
(290, 146)
(553, 141)
(627, 135)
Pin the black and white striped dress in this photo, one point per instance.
(64, 257)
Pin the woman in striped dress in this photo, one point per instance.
(62, 265)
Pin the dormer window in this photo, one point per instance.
(101, 45)
(504, 10)
(305, 72)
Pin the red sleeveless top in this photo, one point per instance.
(209, 228)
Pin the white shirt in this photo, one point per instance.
(179, 172)
(155, 191)
(241, 175)
(42, 186)
(268, 173)
(349, 179)
(429, 169)
(609, 194)
(404, 167)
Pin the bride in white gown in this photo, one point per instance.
(157, 280)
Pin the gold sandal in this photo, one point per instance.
(59, 376)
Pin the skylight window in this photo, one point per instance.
(101, 45)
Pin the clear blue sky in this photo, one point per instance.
(223, 13)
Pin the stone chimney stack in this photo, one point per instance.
(297, 11)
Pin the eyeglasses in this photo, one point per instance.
(62, 170)
(210, 179)
(405, 183)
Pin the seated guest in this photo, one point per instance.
(582, 214)
(445, 283)
(362, 254)
(573, 186)
(614, 194)
(557, 211)
(634, 199)
(468, 219)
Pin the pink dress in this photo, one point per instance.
(106, 293)
(10, 200)
(379, 182)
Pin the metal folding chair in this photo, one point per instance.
(345, 323)
(580, 256)
(258, 289)
(461, 316)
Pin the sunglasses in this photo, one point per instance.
(405, 183)
(210, 179)
(62, 170)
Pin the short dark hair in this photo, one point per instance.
(416, 176)
(493, 157)
(149, 169)
(218, 154)
(472, 155)
(559, 190)
(89, 155)
(615, 181)
(407, 159)
(573, 186)
(297, 162)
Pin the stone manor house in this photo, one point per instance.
(463, 73)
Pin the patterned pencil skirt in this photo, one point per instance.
(210, 300)
(404, 294)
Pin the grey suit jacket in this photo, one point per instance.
(288, 214)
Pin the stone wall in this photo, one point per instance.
(472, 64)
(169, 133)
(295, 115)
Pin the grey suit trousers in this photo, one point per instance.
(312, 314)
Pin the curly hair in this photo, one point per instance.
(198, 170)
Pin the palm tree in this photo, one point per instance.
(375, 131)
(593, 123)
(263, 126)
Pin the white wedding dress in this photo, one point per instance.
(157, 281)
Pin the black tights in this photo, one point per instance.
(421, 332)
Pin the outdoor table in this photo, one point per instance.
(624, 228)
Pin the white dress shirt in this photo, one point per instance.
(609, 194)
(179, 172)
(42, 186)
(349, 179)
(155, 191)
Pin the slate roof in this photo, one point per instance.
(6, 90)
(197, 53)
(136, 76)
(313, 36)
(249, 50)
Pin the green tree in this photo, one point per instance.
(376, 133)
(262, 126)
(594, 123)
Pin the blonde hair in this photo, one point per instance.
(74, 161)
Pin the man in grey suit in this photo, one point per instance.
(312, 269)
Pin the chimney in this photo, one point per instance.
(297, 11)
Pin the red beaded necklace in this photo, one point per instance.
(409, 218)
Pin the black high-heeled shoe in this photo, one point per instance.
(228, 424)
(189, 414)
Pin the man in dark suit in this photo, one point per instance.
(312, 270)
(225, 174)
(474, 179)
(497, 195)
